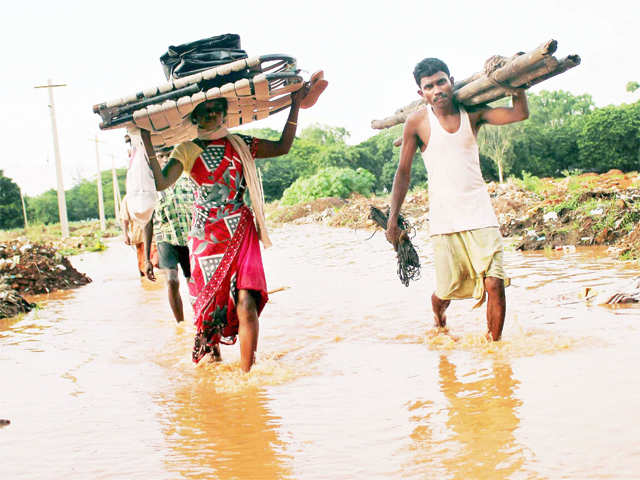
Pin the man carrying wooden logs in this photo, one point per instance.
(464, 229)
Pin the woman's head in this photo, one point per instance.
(210, 115)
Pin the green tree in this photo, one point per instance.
(553, 108)
(43, 208)
(610, 138)
(329, 182)
(632, 86)
(325, 135)
(82, 200)
(494, 142)
(10, 204)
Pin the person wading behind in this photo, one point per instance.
(171, 224)
(134, 236)
(227, 285)
(467, 245)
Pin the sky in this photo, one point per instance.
(367, 49)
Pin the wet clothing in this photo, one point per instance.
(463, 260)
(172, 216)
(225, 253)
(458, 197)
(467, 244)
(136, 236)
(134, 229)
(170, 256)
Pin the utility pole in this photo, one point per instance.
(103, 225)
(24, 210)
(62, 204)
(116, 189)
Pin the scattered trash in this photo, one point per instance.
(566, 248)
(550, 216)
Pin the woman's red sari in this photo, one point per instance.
(223, 244)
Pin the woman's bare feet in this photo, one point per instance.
(215, 354)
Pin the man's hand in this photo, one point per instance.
(148, 270)
(393, 233)
(127, 240)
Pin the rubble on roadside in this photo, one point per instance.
(32, 268)
(560, 214)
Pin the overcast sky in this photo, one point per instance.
(367, 49)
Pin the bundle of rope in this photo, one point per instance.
(408, 260)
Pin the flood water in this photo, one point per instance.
(351, 381)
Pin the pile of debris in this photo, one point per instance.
(32, 268)
(556, 213)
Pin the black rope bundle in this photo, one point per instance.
(408, 260)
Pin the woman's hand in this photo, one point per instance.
(298, 95)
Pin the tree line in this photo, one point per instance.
(564, 133)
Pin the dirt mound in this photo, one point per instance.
(585, 209)
(32, 268)
(313, 211)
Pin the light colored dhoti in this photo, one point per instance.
(464, 259)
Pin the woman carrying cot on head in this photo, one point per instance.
(227, 286)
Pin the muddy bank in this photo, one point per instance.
(534, 213)
(32, 268)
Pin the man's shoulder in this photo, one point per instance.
(419, 115)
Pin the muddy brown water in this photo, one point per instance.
(351, 380)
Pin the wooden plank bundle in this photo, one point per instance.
(497, 80)
(254, 88)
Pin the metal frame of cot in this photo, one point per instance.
(264, 89)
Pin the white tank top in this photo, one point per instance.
(458, 197)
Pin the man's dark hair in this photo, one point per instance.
(428, 67)
(202, 108)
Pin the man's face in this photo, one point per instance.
(212, 116)
(437, 90)
(163, 158)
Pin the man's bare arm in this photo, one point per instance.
(148, 237)
(504, 115)
(402, 178)
(166, 177)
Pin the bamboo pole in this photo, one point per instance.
(542, 68)
(546, 67)
(565, 64)
(516, 67)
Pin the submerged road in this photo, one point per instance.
(351, 381)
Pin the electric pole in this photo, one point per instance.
(24, 210)
(62, 204)
(103, 225)
(116, 189)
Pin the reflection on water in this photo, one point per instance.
(352, 381)
(469, 432)
(483, 420)
(224, 436)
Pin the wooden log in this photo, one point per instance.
(400, 116)
(529, 80)
(542, 68)
(565, 64)
(514, 68)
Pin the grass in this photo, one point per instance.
(85, 236)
